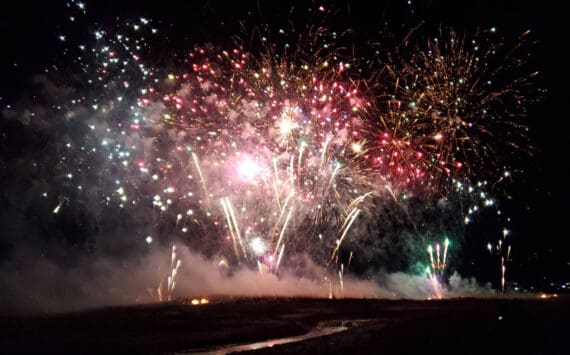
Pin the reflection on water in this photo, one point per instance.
(322, 329)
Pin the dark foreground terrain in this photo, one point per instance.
(460, 326)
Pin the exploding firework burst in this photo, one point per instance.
(254, 153)
(456, 105)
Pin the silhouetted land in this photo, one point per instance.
(459, 326)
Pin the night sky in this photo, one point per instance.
(536, 200)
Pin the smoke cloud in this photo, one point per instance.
(35, 284)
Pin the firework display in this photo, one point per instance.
(256, 153)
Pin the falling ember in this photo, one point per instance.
(57, 208)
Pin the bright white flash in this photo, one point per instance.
(356, 147)
(286, 125)
(248, 168)
(257, 245)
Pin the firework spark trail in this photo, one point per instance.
(279, 257)
(276, 183)
(446, 245)
(282, 233)
(333, 175)
(172, 279)
(230, 227)
(436, 273)
(435, 284)
(359, 200)
(202, 180)
(503, 270)
(430, 251)
(174, 266)
(301, 150)
(503, 254)
(340, 278)
(236, 227)
(324, 152)
(438, 264)
(350, 218)
(282, 213)
(505, 260)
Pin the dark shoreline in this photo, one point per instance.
(464, 326)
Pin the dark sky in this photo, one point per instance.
(29, 31)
